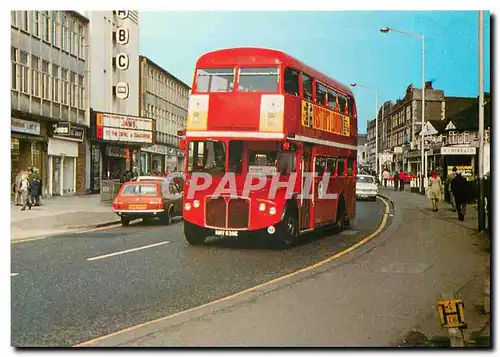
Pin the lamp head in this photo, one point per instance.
(353, 84)
(385, 29)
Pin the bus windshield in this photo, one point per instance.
(207, 156)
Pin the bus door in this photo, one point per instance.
(305, 203)
(320, 205)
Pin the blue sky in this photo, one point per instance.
(345, 45)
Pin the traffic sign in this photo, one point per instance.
(451, 313)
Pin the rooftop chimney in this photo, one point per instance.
(428, 85)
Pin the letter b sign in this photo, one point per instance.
(122, 36)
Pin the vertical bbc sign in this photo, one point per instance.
(121, 62)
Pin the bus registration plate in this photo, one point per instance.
(224, 233)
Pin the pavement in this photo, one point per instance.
(376, 295)
(60, 215)
(71, 288)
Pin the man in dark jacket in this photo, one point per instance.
(460, 190)
(34, 189)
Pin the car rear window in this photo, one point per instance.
(364, 179)
(131, 190)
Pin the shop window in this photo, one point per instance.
(307, 87)
(291, 81)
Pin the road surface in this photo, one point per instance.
(69, 289)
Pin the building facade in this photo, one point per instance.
(164, 98)
(117, 130)
(362, 153)
(449, 122)
(49, 98)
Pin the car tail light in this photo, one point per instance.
(117, 203)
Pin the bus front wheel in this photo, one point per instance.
(194, 235)
(288, 235)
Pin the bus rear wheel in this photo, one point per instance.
(194, 235)
(287, 236)
(341, 221)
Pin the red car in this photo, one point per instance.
(148, 200)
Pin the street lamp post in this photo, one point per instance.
(376, 122)
(421, 37)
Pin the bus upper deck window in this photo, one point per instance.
(307, 86)
(258, 80)
(320, 93)
(215, 80)
(291, 81)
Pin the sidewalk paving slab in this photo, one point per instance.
(60, 215)
(372, 296)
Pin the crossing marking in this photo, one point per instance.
(127, 251)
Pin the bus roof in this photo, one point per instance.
(251, 56)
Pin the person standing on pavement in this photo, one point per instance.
(24, 189)
(435, 190)
(34, 189)
(448, 185)
(385, 177)
(401, 177)
(395, 178)
(460, 190)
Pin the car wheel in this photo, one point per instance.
(167, 217)
(194, 235)
(125, 221)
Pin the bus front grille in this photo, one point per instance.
(239, 213)
(215, 212)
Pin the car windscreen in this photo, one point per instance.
(364, 179)
(143, 189)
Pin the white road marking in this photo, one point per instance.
(127, 251)
(348, 232)
(14, 274)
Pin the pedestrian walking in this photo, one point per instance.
(460, 189)
(435, 190)
(401, 180)
(395, 178)
(385, 177)
(24, 189)
(34, 189)
(448, 188)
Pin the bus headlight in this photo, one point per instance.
(196, 203)
(187, 206)
(262, 207)
(272, 211)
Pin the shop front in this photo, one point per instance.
(116, 146)
(155, 159)
(460, 156)
(63, 153)
(28, 146)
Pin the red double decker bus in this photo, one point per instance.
(260, 122)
